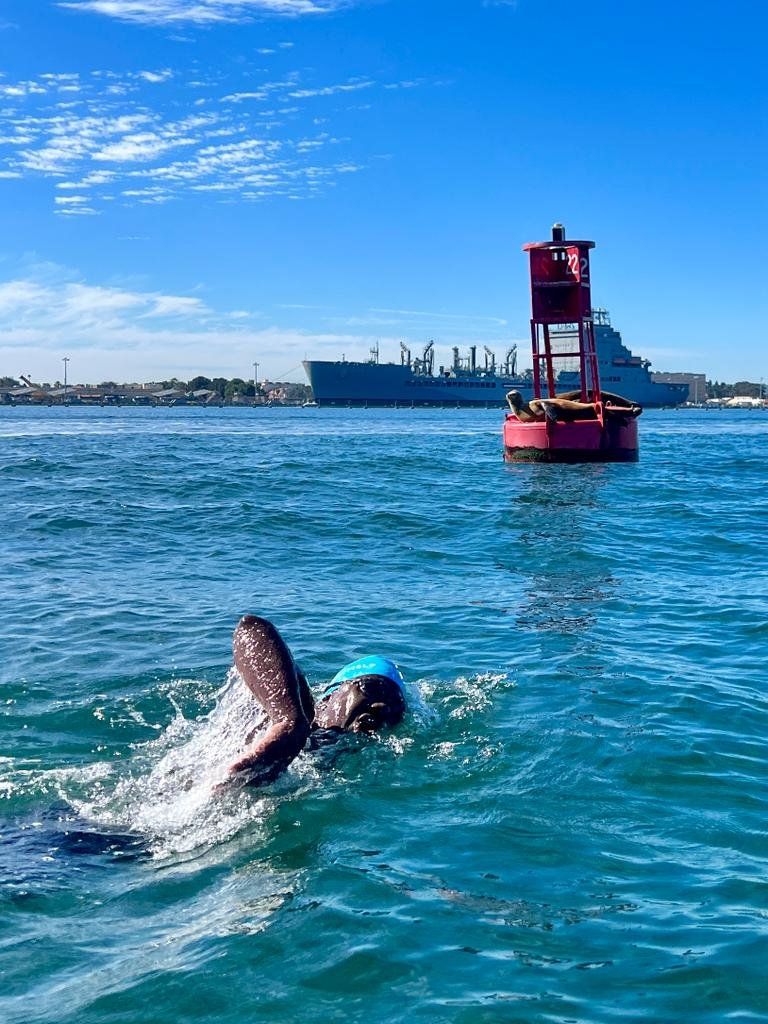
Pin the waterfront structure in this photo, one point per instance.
(696, 383)
(744, 402)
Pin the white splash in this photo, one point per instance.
(169, 792)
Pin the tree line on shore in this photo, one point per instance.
(742, 388)
(226, 388)
(229, 388)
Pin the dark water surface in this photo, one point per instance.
(571, 826)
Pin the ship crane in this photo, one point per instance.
(405, 354)
(510, 361)
(490, 359)
(426, 364)
(428, 357)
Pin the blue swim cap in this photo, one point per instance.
(370, 665)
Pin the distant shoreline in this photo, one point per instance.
(129, 404)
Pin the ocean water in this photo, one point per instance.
(571, 825)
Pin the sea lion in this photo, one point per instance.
(612, 404)
(566, 408)
(555, 410)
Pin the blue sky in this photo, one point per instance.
(192, 185)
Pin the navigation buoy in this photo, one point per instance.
(588, 425)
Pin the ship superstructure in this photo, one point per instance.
(468, 381)
(622, 372)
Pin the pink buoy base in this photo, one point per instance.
(612, 438)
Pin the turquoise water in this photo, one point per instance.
(572, 825)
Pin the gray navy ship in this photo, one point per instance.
(466, 382)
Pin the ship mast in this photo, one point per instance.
(510, 361)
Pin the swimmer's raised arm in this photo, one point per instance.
(270, 673)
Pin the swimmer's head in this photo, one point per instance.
(365, 696)
(364, 704)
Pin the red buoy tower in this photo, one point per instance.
(580, 426)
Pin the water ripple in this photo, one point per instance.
(571, 824)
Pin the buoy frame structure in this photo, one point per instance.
(587, 425)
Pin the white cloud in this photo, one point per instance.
(16, 295)
(238, 97)
(111, 332)
(176, 305)
(156, 76)
(201, 12)
(448, 328)
(119, 142)
(430, 315)
(22, 89)
(94, 178)
(141, 147)
(329, 90)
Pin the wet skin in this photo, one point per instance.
(565, 408)
(362, 705)
(553, 409)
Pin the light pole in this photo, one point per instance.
(255, 381)
(65, 360)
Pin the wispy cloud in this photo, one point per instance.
(74, 205)
(419, 325)
(330, 90)
(115, 331)
(202, 12)
(111, 332)
(453, 317)
(156, 76)
(78, 314)
(20, 89)
(150, 136)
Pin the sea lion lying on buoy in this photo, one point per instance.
(562, 410)
(612, 404)
(565, 408)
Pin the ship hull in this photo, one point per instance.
(349, 384)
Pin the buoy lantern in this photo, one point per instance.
(588, 425)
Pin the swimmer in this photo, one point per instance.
(363, 697)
